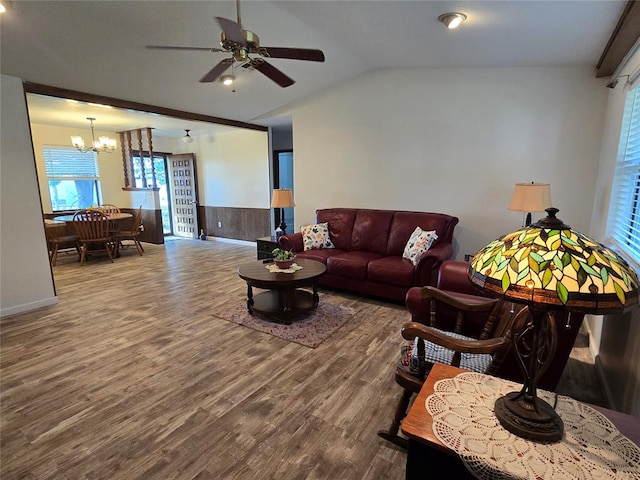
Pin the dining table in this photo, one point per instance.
(115, 220)
(110, 216)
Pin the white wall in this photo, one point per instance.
(26, 280)
(233, 169)
(452, 141)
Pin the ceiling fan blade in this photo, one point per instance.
(272, 72)
(232, 30)
(311, 55)
(216, 71)
(197, 49)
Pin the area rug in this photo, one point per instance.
(310, 328)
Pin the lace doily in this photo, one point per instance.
(273, 268)
(463, 420)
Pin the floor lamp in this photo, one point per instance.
(282, 198)
(548, 267)
(530, 197)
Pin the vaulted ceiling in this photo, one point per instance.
(98, 47)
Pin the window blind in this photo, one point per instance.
(624, 208)
(70, 163)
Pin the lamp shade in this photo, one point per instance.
(530, 197)
(550, 266)
(282, 198)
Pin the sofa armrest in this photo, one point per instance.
(428, 264)
(291, 241)
(453, 276)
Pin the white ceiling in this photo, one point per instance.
(98, 47)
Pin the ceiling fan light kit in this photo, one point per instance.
(227, 79)
(244, 47)
(452, 19)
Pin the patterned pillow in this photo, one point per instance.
(419, 242)
(316, 236)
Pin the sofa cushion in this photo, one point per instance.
(320, 254)
(394, 270)
(351, 264)
(340, 222)
(419, 242)
(371, 231)
(316, 236)
(404, 223)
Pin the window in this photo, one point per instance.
(144, 173)
(73, 178)
(624, 211)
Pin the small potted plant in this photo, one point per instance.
(283, 258)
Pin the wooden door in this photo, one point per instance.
(184, 195)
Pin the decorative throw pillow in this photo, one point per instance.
(419, 242)
(316, 236)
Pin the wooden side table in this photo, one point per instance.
(265, 246)
(426, 454)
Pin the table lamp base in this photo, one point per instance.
(520, 416)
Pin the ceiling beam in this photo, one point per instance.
(40, 89)
(624, 37)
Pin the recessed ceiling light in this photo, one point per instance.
(452, 19)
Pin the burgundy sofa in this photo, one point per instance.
(369, 246)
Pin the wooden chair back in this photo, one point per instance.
(460, 313)
(91, 225)
(133, 233)
(108, 208)
(137, 221)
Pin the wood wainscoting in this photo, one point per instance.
(236, 223)
(152, 221)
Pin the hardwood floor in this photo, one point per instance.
(130, 376)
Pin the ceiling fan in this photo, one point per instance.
(244, 47)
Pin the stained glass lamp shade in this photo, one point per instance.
(549, 267)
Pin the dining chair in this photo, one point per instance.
(133, 233)
(108, 208)
(58, 240)
(92, 228)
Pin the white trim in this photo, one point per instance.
(27, 307)
(623, 64)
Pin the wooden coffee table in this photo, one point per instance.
(283, 298)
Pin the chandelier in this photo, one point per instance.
(103, 144)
